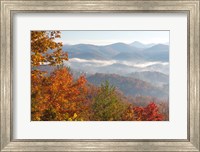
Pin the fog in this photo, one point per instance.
(115, 66)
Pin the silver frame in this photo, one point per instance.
(9, 8)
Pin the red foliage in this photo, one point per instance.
(149, 113)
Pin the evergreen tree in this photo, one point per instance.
(107, 104)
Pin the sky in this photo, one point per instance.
(109, 37)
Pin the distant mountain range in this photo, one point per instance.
(136, 69)
(135, 52)
(138, 44)
(118, 58)
(130, 86)
(152, 77)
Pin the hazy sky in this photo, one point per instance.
(109, 37)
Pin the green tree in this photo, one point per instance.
(107, 104)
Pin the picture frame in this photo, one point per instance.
(9, 8)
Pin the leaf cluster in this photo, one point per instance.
(44, 48)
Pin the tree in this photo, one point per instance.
(149, 113)
(107, 104)
(58, 96)
(42, 43)
(129, 114)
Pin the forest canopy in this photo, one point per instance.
(59, 96)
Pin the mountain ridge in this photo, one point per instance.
(138, 44)
(118, 51)
(129, 86)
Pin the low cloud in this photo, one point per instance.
(97, 62)
(102, 63)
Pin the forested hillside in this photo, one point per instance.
(58, 95)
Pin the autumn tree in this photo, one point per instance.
(148, 113)
(58, 96)
(107, 104)
(129, 114)
(44, 48)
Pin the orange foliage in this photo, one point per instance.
(58, 96)
(128, 114)
(41, 43)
